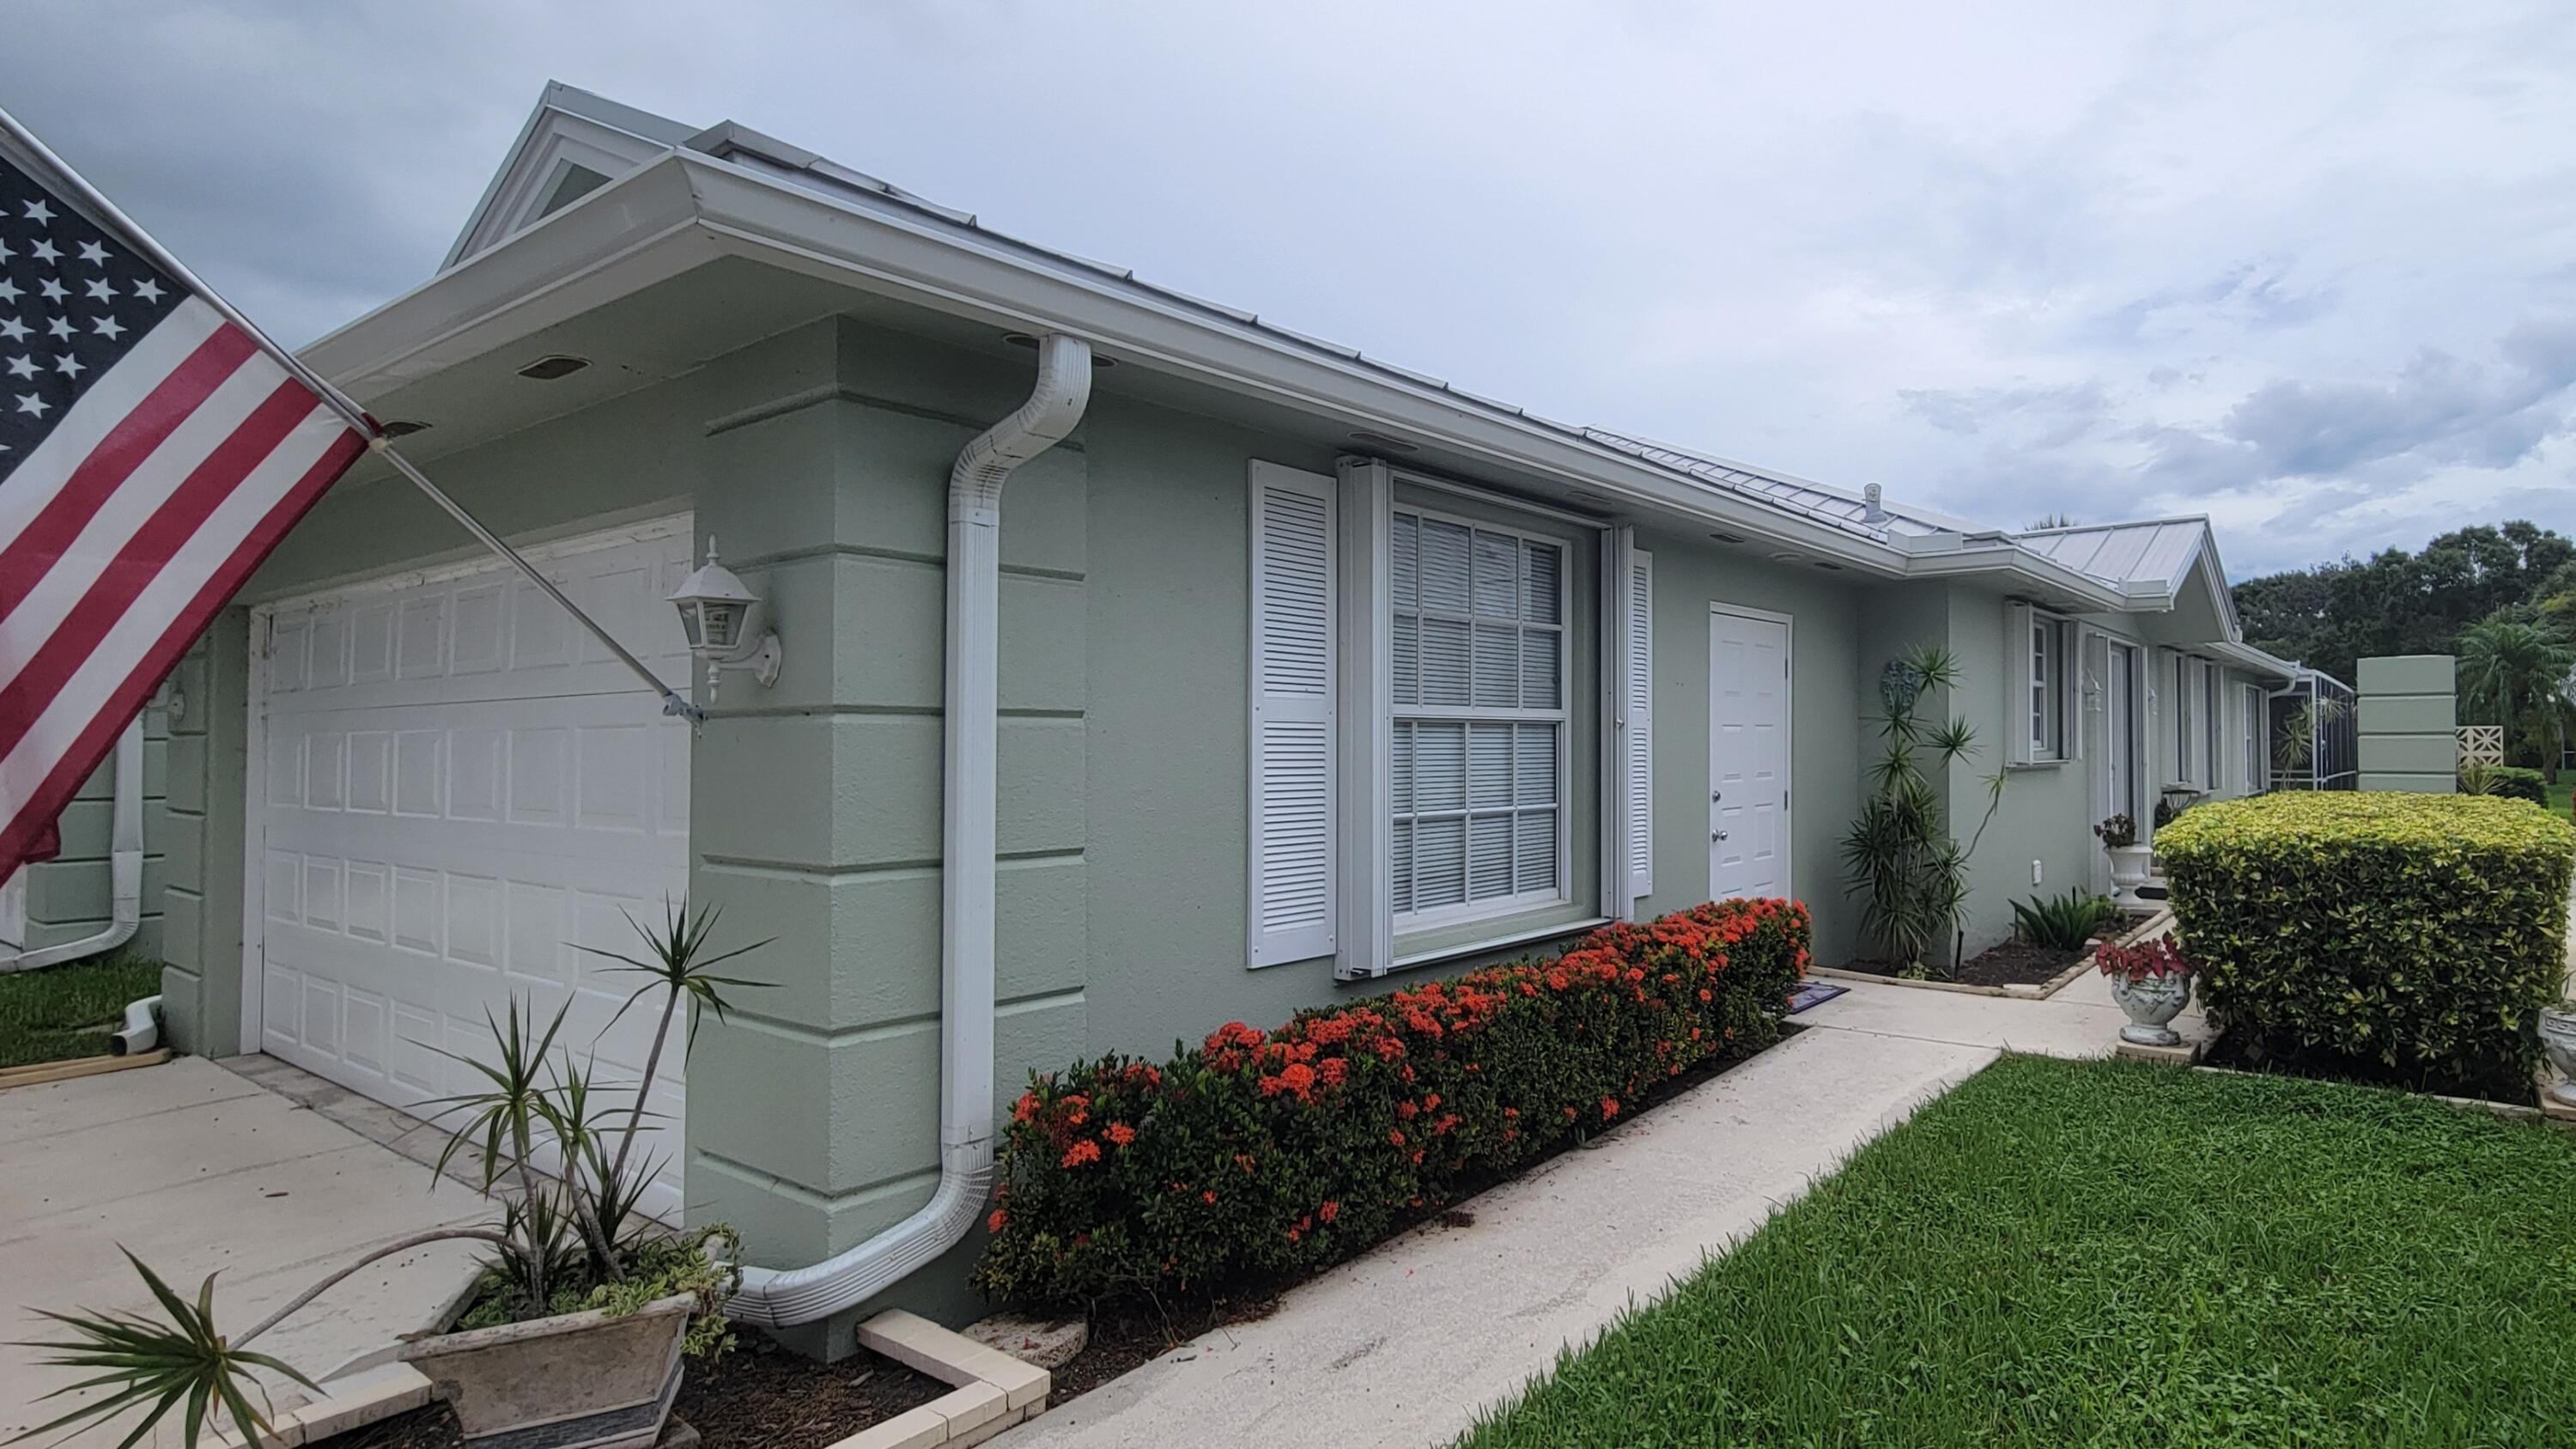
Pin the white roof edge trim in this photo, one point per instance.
(557, 99)
(727, 199)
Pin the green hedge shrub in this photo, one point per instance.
(1263, 1153)
(2517, 782)
(2420, 932)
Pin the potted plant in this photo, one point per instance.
(2152, 983)
(581, 1315)
(2558, 1039)
(2130, 861)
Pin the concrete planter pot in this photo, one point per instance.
(2152, 1003)
(2558, 1039)
(2130, 866)
(575, 1381)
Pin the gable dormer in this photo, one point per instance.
(574, 144)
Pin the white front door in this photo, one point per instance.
(455, 785)
(1748, 754)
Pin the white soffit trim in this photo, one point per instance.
(686, 207)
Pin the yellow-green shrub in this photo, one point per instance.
(2423, 932)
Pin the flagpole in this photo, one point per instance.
(673, 703)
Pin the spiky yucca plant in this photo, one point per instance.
(565, 1238)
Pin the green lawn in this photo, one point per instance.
(55, 1013)
(2108, 1254)
(2560, 793)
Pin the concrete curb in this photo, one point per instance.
(993, 1390)
(43, 1072)
(356, 1401)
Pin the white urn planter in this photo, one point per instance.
(2130, 865)
(594, 1380)
(2152, 1003)
(2558, 1039)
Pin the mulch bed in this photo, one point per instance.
(758, 1396)
(2010, 964)
(761, 1396)
(2241, 1051)
(1127, 1338)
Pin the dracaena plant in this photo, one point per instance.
(1900, 855)
(565, 1240)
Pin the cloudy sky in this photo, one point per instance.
(2312, 273)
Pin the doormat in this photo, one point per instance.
(1814, 993)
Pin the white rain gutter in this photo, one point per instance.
(125, 865)
(971, 807)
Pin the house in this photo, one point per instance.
(1267, 672)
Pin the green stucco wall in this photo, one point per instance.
(819, 458)
(1825, 636)
(72, 897)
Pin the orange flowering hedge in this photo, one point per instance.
(1261, 1153)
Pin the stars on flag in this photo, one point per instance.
(73, 300)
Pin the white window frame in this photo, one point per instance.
(2043, 660)
(2252, 738)
(1401, 714)
(2213, 728)
(2186, 731)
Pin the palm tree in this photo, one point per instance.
(2517, 676)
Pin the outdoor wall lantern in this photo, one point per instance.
(724, 620)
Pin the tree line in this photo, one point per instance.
(2502, 599)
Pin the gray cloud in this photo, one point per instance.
(2104, 261)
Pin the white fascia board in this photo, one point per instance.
(636, 231)
(973, 274)
(2017, 562)
(2259, 661)
(686, 208)
(558, 99)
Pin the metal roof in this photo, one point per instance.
(2159, 552)
(2156, 551)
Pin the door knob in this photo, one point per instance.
(1717, 835)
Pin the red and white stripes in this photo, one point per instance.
(128, 529)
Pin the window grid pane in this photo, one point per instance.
(1478, 637)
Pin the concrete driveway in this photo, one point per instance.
(197, 1169)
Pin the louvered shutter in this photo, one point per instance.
(1291, 897)
(2019, 620)
(1638, 698)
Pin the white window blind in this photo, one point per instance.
(1639, 702)
(2037, 669)
(1477, 754)
(1292, 697)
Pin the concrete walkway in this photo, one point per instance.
(1402, 1347)
(197, 1169)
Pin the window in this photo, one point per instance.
(2047, 688)
(2185, 675)
(2039, 650)
(2212, 697)
(2256, 710)
(1477, 755)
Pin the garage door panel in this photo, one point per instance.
(459, 794)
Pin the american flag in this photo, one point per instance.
(151, 454)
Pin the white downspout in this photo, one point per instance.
(802, 1295)
(125, 865)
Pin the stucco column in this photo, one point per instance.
(815, 807)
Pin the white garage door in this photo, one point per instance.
(455, 784)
